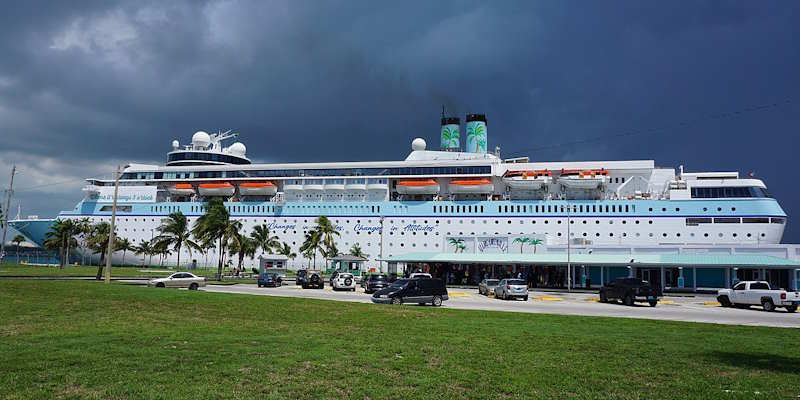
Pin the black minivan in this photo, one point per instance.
(419, 290)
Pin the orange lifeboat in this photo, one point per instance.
(223, 189)
(181, 189)
(587, 179)
(257, 189)
(417, 186)
(471, 186)
(528, 180)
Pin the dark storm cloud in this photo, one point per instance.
(97, 82)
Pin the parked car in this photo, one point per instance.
(630, 290)
(179, 280)
(511, 289)
(344, 281)
(747, 293)
(420, 291)
(487, 286)
(416, 275)
(309, 278)
(269, 279)
(374, 282)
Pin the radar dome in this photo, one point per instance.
(418, 144)
(238, 149)
(201, 139)
(175, 144)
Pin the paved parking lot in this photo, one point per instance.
(691, 309)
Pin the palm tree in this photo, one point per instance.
(59, 237)
(534, 243)
(522, 241)
(84, 228)
(98, 242)
(286, 250)
(357, 252)
(161, 247)
(144, 249)
(123, 245)
(327, 232)
(174, 231)
(17, 240)
(243, 246)
(312, 244)
(216, 226)
(264, 239)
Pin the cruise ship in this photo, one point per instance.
(454, 199)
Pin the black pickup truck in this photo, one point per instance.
(630, 290)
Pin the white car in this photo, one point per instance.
(416, 275)
(344, 281)
(751, 293)
(179, 280)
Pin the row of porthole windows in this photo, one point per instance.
(576, 208)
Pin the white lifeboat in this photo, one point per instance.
(257, 189)
(377, 185)
(528, 180)
(471, 186)
(356, 185)
(336, 185)
(181, 189)
(313, 186)
(417, 186)
(583, 179)
(293, 186)
(223, 189)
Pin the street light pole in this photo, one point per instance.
(5, 215)
(110, 250)
(569, 264)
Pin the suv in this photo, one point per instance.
(269, 279)
(374, 282)
(308, 278)
(629, 290)
(420, 291)
(344, 281)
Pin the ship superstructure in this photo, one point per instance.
(446, 200)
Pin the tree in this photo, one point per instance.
(174, 232)
(522, 241)
(144, 249)
(60, 238)
(311, 244)
(216, 226)
(286, 250)
(243, 246)
(17, 240)
(98, 242)
(357, 252)
(84, 228)
(264, 239)
(327, 232)
(124, 245)
(161, 247)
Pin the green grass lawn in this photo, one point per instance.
(90, 271)
(63, 339)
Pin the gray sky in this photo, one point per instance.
(87, 85)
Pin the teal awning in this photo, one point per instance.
(706, 260)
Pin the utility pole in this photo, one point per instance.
(5, 215)
(381, 256)
(110, 250)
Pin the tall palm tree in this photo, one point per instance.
(357, 252)
(216, 226)
(84, 228)
(17, 240)
(243, 246)
(123, 245)
(311, 244)
(161, 247)
(264, 238)
(98, 242)
(522, 241)
(328, 233)
(174, 232)
(59, 238)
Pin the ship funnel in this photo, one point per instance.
(476, 133)
(451, 140)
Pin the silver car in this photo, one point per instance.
(487, 286)
(179, 280)
(511, 289)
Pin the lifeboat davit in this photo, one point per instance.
(417, 186)
(583, 179)
(471, 186)
(223, 189)
(528, 180)
(181, 189)
(257, 189)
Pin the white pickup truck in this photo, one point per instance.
(749, 293)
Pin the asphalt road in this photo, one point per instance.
(690, 309)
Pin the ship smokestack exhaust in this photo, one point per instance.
(476, 133)
(450, 134)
